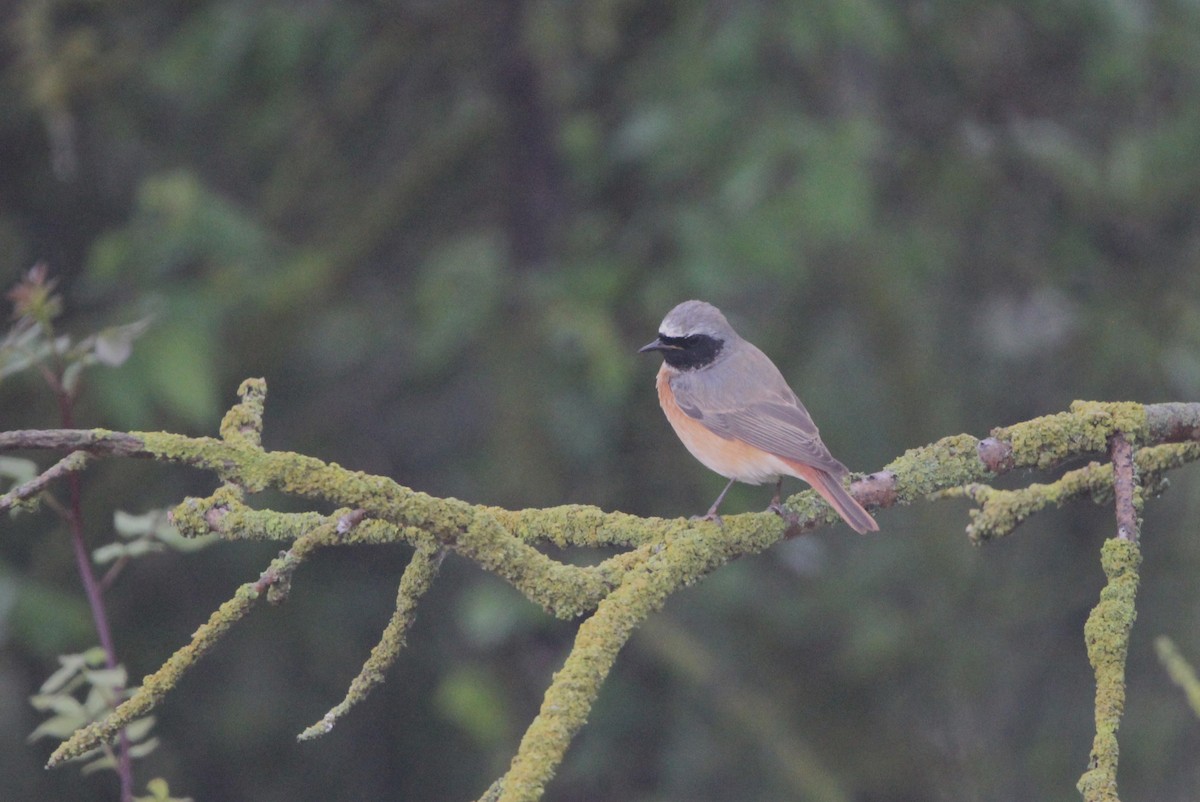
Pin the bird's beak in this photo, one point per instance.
(657, 345)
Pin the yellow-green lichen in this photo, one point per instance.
(156, 685)
(1107, 636)
(688, 551)
(1002, 511)
(948, 462)
(416, 580)
(577, 525)
(196, 517)
(244, 421)
(565, 591)
(1043, 442)
(1156, 460)
(625, 588)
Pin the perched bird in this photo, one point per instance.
(734, 411)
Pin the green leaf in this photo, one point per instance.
(18, 470)
(110, 678)
(109, 553)
(139, 728)
(70, 665)
(61, 703)
(160, 792)
(129, 525)
(143, 749)
(114, 344)
(59, 727)
(108, 761)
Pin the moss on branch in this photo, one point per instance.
(1107, 636)
(417, 579)
(660, 555)
(155, 686)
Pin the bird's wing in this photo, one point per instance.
(757, 408)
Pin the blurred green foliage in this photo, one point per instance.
(440, 230)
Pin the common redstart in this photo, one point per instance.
(734, 411)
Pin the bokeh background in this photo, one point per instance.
(441, 229)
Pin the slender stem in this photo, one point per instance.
(91, 587)
(1124, 484)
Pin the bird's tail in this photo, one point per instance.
(839, 498)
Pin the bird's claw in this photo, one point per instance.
(787, 515)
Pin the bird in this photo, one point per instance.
(736, 414)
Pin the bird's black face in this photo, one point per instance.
(689, 352)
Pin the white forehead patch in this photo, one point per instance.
(695, 317)
(670, 328)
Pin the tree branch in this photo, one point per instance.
(1109, 624)
(660, 555)
(75, 461)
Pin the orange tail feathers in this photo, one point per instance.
(838, 497)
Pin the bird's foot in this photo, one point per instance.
(787, 515)
(709, 516)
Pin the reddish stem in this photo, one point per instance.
(91, 587)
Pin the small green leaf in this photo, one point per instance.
(69, 666)
(139, 728)
(160, 792)
(114, 344)
(60, 703)
(110, 553)
(108, 761)
(129, 525)
(169, 537)
(18, 470)
(111, 678)
(143, 749)
(59, 727)
(95, 657)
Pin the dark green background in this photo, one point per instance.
(441, 229)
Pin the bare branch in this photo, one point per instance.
(1125, 487)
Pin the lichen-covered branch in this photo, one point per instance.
(687, 554)
(1110, 622)
(658, 557)
(75, 461)
(416, 580)
(1107, 635)
(155, 686)
(1001, 511)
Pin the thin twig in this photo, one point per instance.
(75, 461)
(91, 587)
(1124, 484)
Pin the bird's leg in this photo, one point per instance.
(711, 515)
(777, 507)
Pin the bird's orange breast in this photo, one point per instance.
(731, 458)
